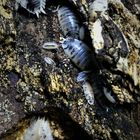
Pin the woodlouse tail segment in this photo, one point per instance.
(37, 14)
(56, 10)
(32, 6)
(51, 45)
(38, 130)
(83, 76)
(42, 10)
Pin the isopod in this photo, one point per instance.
(32, 6)
(69, 24)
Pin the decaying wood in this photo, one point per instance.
(31, 88)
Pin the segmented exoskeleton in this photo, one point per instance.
(69, 24)
(83, 58)
(79, 53)
(32, 6)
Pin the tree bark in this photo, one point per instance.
(29, 87)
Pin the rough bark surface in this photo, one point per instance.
(30, 88)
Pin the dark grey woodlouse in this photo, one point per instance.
(69, 23)
(79, 53)
(32, 6)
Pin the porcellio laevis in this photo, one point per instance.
(69, 23)
(79, 53)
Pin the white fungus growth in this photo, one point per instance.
(122, 64)
(98, 6)
(98, 40)
(135, 74)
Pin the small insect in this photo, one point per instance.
(32, 6)
(69, 24)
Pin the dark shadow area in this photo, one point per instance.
(70, 129)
